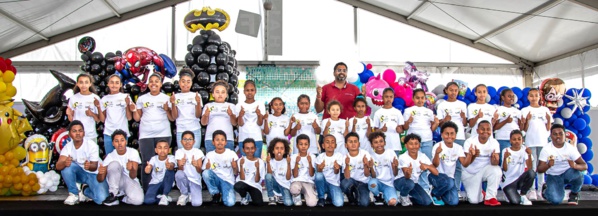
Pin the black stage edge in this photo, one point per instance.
(88, 209)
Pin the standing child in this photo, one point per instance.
(536, 125)
(389, 120)
(115, 114)
(188, 176)
(480, 110)
(361, 124)
(508, 119)
(220, 168)
(277, 125)
(303, 165)
(356, 171)
(328, 176)
(412, 165)
(335, 126)
(518, 172)
(383, 169)
(219, 115)
(84, 106)
(278, 178)
(186, 108)
(251, 174)
(161, 167)
(250, 119)
(305, 122)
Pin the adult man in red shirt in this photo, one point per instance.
(339, 90)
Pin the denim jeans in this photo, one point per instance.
(161, 188)
(418, 195)
(210, 147)
(218, 186)
(273, 186)
(426, 148)
(503, 145)
(388, 192)
(73, 174)
(458, 168)
(357, 191)
(108, 147)
(333, 191)
(179, 137)
(555, 185)
(258, 149)
(147, 149)
(444, 188)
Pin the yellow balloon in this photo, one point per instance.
(2, 87)
(19, 153)
(8, 76)
(11, 91)
(35, 187)
(9, 155)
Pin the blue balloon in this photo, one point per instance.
(520, 103)
(587, 131)
(525, 103)
(579, 135)
(595, 179)
(365, 76)
(358, 83)
(580, 124)
(169, 66)
(586, 109)
(587, 179)
(572, 129)
(586, 141)
(499, 90)
(491, 91)
(570, 91)
(572, 119)
(566, 123)
(398, 102)
(365, 67)
(517, 91)
(588, 155)
(590, 168)
(587, 93)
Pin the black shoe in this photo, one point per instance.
(352, 200)
(573, 198)
(321, 202)
(216, 199)
(111, 200)
(378, 200)
(328, 201)
(544, 190)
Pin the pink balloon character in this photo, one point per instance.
(413, 77)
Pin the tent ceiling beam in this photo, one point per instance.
(569, 54)
(590, 4)
(419, 9)
(109, 5)
(24, 25)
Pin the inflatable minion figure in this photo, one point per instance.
(38, 153)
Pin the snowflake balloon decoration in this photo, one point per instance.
(577, 100)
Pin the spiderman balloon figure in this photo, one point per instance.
(135, 63)
(413, 77)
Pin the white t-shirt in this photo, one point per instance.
(219, 119)
(448, 158)
(303, 174)
(383, 167)
(328, 171)
(488, 112)
(515, 165)
(279, 171)
(277, 125)
(536, 134)
(189, 169)
(88, 151)
(454, 109)
(221, 164)
(186, 120)
(356, 166)
(504, 133)
(79, 104)
(405, 160)
(115, 106)
(486, 150)
(306, 120)
(131, 154)
(422, 122)
(391, 117)
(250, 128)
(250, 172)
(337, 129)
(361, 128)
(154, 120)
(159, 168)
(560, 156)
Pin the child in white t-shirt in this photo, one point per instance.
(356, 171)
(278, 178)
(250, 119)
(389, 120)
(279, 124)
(161, 167)
(114, 111)
(303, 168)
(509, 119)
(361, 124)
(328, 165)
(219, 115)
(220, 169)
(481, 110)
(412, 164)
(305, 122)
(84, 105)
(384, 166)
(335, 126)
(517, 170)
(188, 176)
(186, 108)
(251, 175)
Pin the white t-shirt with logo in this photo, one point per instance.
(405, 161)
(219, 119)
(79, 104)
(277, 125)
(504, 133)
(131, 154)
(560, 156)
(328, 171)
(88, 151)
(337, 129)
(488, 112)
(186, 120)
(391, 117)
(189, 169)
(356, 166)
(422, 122)
(361, 129)
(251, 171)
(221, 165)
(159, 168)
(303, 174)
(154, 120)
(448, 158)
(536, 134)
(454, 109)
(306, 120)
(250, 128)
(486, 150)
(515, 165)
(383, 167)
(115, 106)
(279, 171)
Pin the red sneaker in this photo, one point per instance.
(492, 202)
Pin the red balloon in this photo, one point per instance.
(2, 66)
(13, 69)
(369, 66)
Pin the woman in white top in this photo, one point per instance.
(84, 105)
(279, 124)
(153, 113)
(508, 119)
(250, 119)
(115, 114)
(481, 110)
(219, 115)
(186, 108)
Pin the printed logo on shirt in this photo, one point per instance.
(157, 169)
(177, 101)
(76, 105)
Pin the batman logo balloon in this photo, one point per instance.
(206, 18)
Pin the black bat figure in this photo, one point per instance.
(206, 18)
(51, 108)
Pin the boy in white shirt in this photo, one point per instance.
(356, 171)
(161, 167)
(303, 168)
(563, 165)
(188, 176)
(120, 170)
(517, 170)
(384, 166)
(220, 169)
(389, 120)
(413, 163)
(251, 174)
(328, 176)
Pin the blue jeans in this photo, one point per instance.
(426, 148)
(444, 188)
(323, 187)
(503, 145)
(388, 192)
(418, 195)
(258, 149)
(73, 174)
(458, 168)
(108, 147)
(179, 137)
(356, 190)
(161, 188)
(210, 147)
(218, 186)
(555, 185)
(273, 186)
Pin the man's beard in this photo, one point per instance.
(341, 78)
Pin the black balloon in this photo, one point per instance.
(233, 98)
(222, 76)
(196, 50)
(189, 59)
(103, 64)
(84, 57)
(205, 96)
(229, 69)
(210, 87)
(203, 79)
(110, 69)
(221, 69)
(97, 57)
(82, 67)
(221, 59)
(214, 39)
(108, 57)
(189, 47)
(196, 69)
(223, 49)
(231, 89)
(233, 79)
(95, 69)
(198, 40)
(127, 89)
(96, 79)
(135, 126)
(212, 69)
(203, 60)
(135, 90)
(102, 84)
(212, 50)
(102, 74)
(167, 87)
(210, 32)
(195, 87)
(119, 53)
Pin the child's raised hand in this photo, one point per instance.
(96, 102)
(550, 161)
(494, 156)
(436, 121)
(195, 163)
(422, 166)
(257, 164)
(288, 159)
(355, 121)
(439, 149)
(229, 111)
(395, 162)
(371, 162)
(130, 165)
(547, 117)
(266, 117)
(509, 119)
(208, 164)
(268, 158)
(132, 107)
(242, 162)
(207, 113)
(242, 112)
(314, 124)
(410, 119)
(298, 159)
(86, 165)
(233, 164)
(182, 161)
(102, 170)
(88, 112)
(328, 123)
(529, 116)
(69, 112)
(346, 122)
(365, 161)
(462, 114)
(495, 115)
(409, 169)
(309, 159)
(322, 165)
(336, 165)
(528, 151)
(169, 165)
(480, 113)
(384, 128)
(165, 106)
(257, 111)
(447, 115)
(367, 120)
(347, 160)
(148, 167)
(172, 98)
(472, 150)
(506, 154)
(197, 98)
(318, 91)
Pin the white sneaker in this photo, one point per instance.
(72, 199)
(405, 201)
(540, 195)
(125, 199)
(531, 195)
(297, 200)
(82, 197)
(244, 201)
(279, 199)
(525, 201)
(163, 201)
(182, 200)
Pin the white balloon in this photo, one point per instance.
(26, 170)
(56, 178)
(582, 148)
(352, 78)
(53, 189)
(515, 99)
(41, 191)
(488, 98)
(42, 181)
(438, 90)
(566, 112)
(558, 121)
(39, 174)
(52, 172)
(49, 184)
(440, 96)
